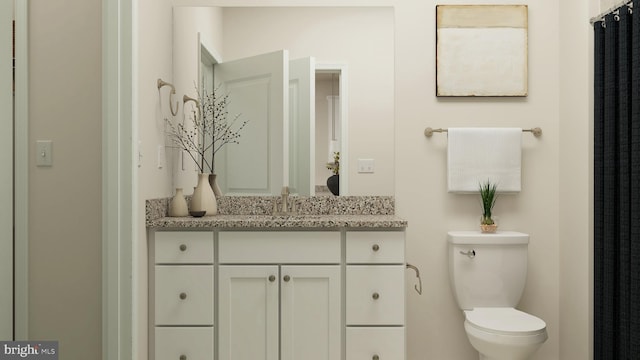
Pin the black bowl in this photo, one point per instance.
(197, 213)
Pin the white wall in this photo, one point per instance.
(553, 206)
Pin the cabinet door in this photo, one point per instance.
(311, 314)
(248, 312)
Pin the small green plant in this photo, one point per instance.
(489, 195)
(335, 165)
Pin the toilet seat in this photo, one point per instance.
(505, 321)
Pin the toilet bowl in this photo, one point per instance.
(504, 333)
(487, 274)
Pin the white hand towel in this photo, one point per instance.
(476, 155)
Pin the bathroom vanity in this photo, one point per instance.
(236, 287)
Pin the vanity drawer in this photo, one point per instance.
(184, 295)
(184, 247)
(375, 247)
(387, 343)
(375, 295)
(172, 343)
(279, 247)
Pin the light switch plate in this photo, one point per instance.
(44, 155)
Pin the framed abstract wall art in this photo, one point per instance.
(481, 50)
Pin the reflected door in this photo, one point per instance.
(258, 91)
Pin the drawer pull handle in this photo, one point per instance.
(183, 247)
(183, 357)
(272, 278)
(375, 247)
(375, 357)
(287, 278)
(183, 296)
(375, 296)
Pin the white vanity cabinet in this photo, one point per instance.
(276, 295)
(375, 310)
(293, 311)
(181, 296)
(279, 311)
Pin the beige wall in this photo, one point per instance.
(435, 325)
(553, 207)
(576, 188)
(65, 244)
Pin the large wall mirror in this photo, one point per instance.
(312, 81)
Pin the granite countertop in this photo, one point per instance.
(315, 213)
(280, 222)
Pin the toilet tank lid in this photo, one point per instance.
(477, 237)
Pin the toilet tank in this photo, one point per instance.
(495, 276)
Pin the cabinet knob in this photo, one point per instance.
(287, 278)
(375, 357)
(183, 296)
(272, 278)
(183, 247)
(375, 247)
(375, 296)
(183, 357)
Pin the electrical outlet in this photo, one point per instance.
(366, 166)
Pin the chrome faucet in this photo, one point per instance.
(284, 204)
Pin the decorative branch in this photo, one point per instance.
(211, 130)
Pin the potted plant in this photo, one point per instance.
(488, 195)
(333, 182)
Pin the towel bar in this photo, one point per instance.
(428, 132)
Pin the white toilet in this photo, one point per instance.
(487, 274)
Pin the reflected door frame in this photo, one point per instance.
(342, 69)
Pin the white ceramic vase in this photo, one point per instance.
(214, 185)
(178, 206)
(203, 197)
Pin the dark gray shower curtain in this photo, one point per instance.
(617, 186)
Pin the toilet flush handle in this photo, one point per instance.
(471, 253)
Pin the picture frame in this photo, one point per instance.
(481, 50)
